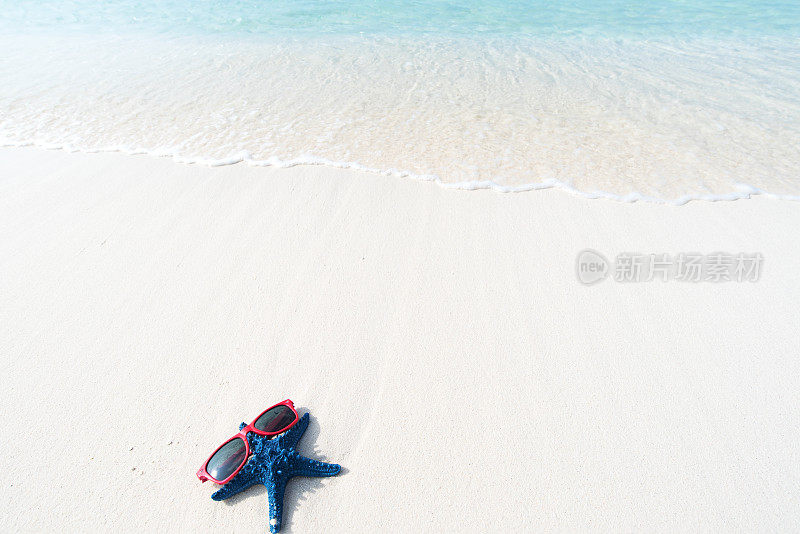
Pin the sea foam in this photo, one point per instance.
(742, 191)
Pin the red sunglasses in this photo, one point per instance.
(230, 457)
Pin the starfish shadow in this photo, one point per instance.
(299, 488)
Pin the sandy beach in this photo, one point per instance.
(449, 358)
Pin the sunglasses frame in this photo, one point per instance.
(202, 473)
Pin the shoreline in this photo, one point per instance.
(745, 191)
(450, 360)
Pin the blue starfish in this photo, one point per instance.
(272, 463)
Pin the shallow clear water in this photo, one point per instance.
(663, 99)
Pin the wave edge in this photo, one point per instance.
(743, 191)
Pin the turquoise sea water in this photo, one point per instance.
(666, 100)
(595, 18)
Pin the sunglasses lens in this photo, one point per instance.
(227, 459)
(275, 419)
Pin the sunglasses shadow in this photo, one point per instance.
(298, 488)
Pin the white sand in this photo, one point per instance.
(449, 358)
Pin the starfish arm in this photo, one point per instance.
(240, 482)
(276, 489)
(306, 467)
(290, 438)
